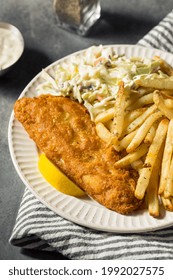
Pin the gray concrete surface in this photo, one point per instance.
(124, 21)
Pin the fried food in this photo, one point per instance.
(151, 159)
(63, 130)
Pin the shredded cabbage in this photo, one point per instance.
(93, 77)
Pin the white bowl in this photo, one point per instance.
(11, 46)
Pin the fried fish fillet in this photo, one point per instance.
(63, 130)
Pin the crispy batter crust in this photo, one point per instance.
(63, 130)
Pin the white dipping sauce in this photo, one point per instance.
(10, 48)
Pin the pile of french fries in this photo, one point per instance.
(141, 122)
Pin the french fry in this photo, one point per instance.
(152, 191)
(134, 95)
(157, 83)
(137, 165)
(142, 131)
(168, 203)
(168, 98)
(108, 124)
(150, 160)
(152, 196)
(169, 103)
(118, 121)
(168, 192)
(151, 133)
(159, 101)
(132, 98)
(103, 132)
(125, 141)
(131, 116)
(168, 92)
(144, 91)
(128, 159)
(166, 161)
(165, 67)
(137, 122)
(142, 101)
(105, 116)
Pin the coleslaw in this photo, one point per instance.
(93, 77)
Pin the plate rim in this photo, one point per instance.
(46, 203)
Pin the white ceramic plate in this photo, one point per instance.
(83, 211)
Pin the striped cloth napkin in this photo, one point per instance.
(39, 228)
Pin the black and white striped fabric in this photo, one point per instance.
(37, 227)
(161, 36)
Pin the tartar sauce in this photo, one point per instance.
(10, 48)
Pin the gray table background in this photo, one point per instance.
(122, 22)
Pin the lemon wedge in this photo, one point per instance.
(56, 178)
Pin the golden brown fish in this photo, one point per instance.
(63, 130)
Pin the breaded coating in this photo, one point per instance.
(63, 130)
